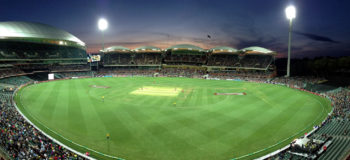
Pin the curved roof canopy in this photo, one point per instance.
(223, 49)
(185, 47)
(116, 49)
(257, 50)
(147, 49)
(37, 32)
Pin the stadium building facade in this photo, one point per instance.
(30, 46)
(218, 59)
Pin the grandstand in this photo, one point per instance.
(29, 46)
(117, 56)
(148, 56)
(257, 57)
(185, 54)
(223, 57)
(215, 61)
(226, 58)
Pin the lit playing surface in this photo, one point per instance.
(156, 118)
(157, 91)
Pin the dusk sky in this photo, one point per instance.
(321, 28)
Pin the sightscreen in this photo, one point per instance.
(51, 76)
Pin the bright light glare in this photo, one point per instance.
(102, 24)
(290, 12)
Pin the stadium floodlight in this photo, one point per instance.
(291, 14)
(102, 25)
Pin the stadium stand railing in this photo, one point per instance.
(4, 155)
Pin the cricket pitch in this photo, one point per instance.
(157, 91)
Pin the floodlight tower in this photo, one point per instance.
(290, 13)
(102, 25)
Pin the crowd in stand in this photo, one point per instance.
(20, 139)
(132, 59)
(340, 97)
(148, 59)
(192, 72)
(256, 61)
(7, 72)
(261, 76)
(183, 72)
(14, 71)
(299, 81)
(15, 80)
(62, 75)
(185, 59)
(341, 101)
(222, 60)
(126, 72)
(118, 59)
(23, 141)
(69, 67)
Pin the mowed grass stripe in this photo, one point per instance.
(205, 98)
(50, 103)
(94, 122)
(267, 130)
(293, 117)
(190, 124)
(188, 98)
(209, 134)
(111, 123)
(157, 130)
(146, 138)
(75, 117)
(153, 104)
(118, 127)
(195, 98)
(61, 113)
(225, 123)
(33, 94)
(210, 92)
(250, 115)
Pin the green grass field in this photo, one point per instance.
(170, 118)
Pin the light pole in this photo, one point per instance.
(290, 13)
(102, 25)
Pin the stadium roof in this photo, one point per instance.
(37, 32)
(185, 47)
(147, 49)
(223, 49)
(257, 50)
(116, 49)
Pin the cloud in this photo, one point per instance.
(316, 37)
(319, 53)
